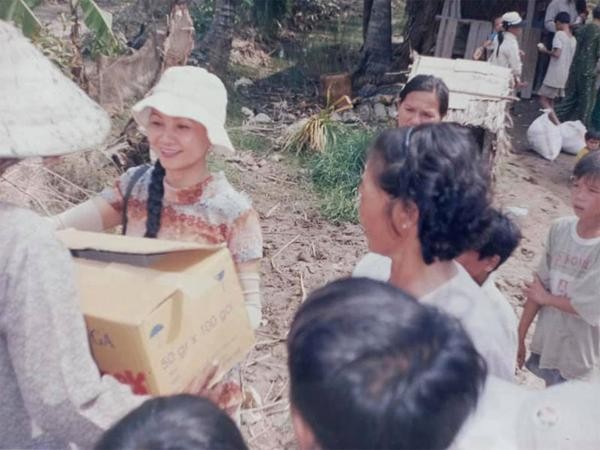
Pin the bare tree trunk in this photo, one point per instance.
(377, 48)
(420, 29)
(217, 42)
(367, 6)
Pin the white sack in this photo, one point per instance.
(573, 136)
(544, 137)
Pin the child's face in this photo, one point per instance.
(592, 144)
(585, 197)
(479, 268)
(497, 24)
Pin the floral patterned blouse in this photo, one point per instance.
(210, 212)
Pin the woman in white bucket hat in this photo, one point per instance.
(52, 393)
(505, 47)
(178, 198)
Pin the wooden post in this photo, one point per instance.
(530, 12)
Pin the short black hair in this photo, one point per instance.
(592, 134)
(596, 12)
(501, 237)
(439, 168)
(562, 17)
(428, 83)
(372, 368)
(182, 422)
(588, 167)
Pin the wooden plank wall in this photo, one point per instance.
(528, 43)
(478, 33)
(445, 38)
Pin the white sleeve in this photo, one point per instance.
(85, 216)
(551, 13)
(250, 283)
(515, 61)
(557, 42)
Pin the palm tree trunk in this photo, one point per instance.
(217, 42)
(420, 29)
(377, 48)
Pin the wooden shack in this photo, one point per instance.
(459, 35)
(480, 94)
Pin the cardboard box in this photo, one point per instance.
(158, 313)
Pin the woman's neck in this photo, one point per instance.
(588, 228)
(187, 177)
(411, 274)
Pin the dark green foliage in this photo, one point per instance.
(202, 15)
(268, 14)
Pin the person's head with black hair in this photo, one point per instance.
(592, 140)
(424, 99)
(563, 17)
(562, 21)
(424, 193)
(596, 12)
(585, 189)
(182, 422)
(372, 368)
(493, 247)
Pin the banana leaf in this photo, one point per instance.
(100, 23)
(19, 12)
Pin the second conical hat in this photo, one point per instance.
(42, 112)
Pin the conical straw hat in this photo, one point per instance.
(42, 112)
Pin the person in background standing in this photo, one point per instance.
(505, 50)
(561, 56)
(580, 98)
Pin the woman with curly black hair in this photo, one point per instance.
(424, 198)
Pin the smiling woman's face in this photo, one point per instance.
(179, 143)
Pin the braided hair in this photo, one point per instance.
(156, 192)
(438, 168)
(501, 36)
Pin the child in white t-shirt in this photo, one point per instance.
(566, 289)
(491, 250)
(561, 56)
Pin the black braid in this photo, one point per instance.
(501, 37)
(156, 191)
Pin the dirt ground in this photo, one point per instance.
(303, 252)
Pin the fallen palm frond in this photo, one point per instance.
(319, 129)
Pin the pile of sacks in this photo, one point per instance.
(548, 139)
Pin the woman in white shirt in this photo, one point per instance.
(424, 198)
(505, 50)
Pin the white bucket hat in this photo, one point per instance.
(192, 93)
(513, 19)
(42, 112)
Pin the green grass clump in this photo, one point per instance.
(336, 173)
(250, 140)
